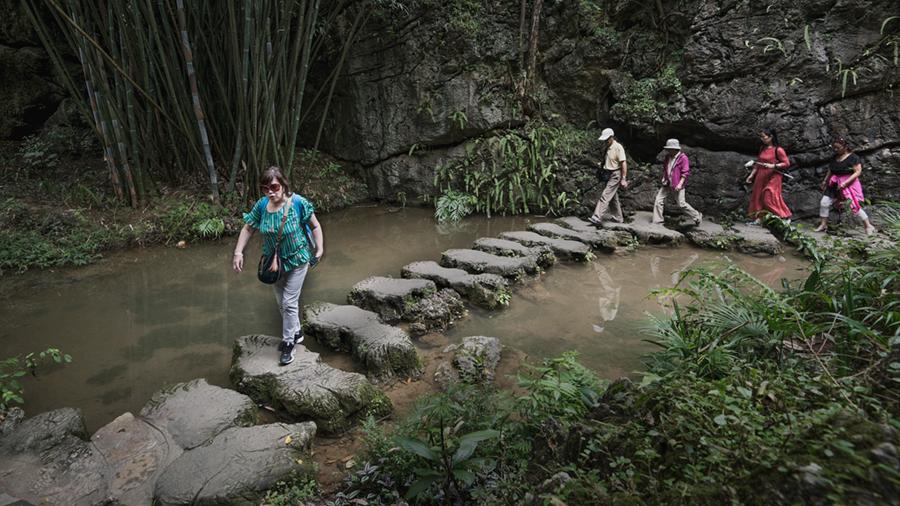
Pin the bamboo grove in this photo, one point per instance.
(184, 90)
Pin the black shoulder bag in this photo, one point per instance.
(263, 271)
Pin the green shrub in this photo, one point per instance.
(13, 369)
(453, 206)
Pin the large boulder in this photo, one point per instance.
(306, 388)
(48, 458)
(236, 467)
(195, 412)
(135, 454)
(384, 350)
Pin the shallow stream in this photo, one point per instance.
(146, 318)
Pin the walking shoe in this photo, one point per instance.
(754, 223)
(298, 337)
(595, 220)
(287, 353)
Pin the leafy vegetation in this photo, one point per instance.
(14, 369)
(513, 173)
(647, 102)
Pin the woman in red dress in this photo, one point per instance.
(766, 178)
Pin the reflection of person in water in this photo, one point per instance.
(608, 296)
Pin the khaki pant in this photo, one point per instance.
(609, 199)
(678, 196)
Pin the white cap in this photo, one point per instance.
(606, 134)
(672, 144)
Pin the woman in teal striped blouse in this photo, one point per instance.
(295, 251)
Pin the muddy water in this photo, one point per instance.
(142, 319)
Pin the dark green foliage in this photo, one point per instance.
(512, 173)
(14, 369)
(647, 102)
(756, 396)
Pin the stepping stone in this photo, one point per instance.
(485, 290)
(391, 298)
(384, 350)
(757, 240)
(237, 467)
(195, 412)
(646, 231)
(474, 360)
(563, 248)
(306, 388)
(543, 254)
(477, 262)
(605, 240)
(711, 236)
(576, 223)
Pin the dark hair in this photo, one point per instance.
(840, 141)
(772, 133)
(273, 173)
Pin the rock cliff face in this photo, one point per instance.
(426, 80)
(709, 73)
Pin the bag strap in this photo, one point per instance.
(284, 217)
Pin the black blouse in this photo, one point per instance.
(845, 166)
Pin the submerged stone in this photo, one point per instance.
(195, 412)
(604, 240)
(503, 247)
(563, 248)
(306, 388)
(391, 298)
(236, 467)
(476, 262)
(485, 290)
(384, 350)
(643, 228)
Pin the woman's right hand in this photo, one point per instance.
(749, 179)
(237, 262)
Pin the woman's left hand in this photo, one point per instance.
(319, 253)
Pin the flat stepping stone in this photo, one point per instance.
(237, 467)
(195, 412)
(757, 240)
(477, 262)
(485, 290)
(711, 236)
(435, 312)
(643, 228)
(503, 247)
(605, 240)
(306, 388)
(563, 248)
(391, 298)
(384, 350)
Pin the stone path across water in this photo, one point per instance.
(199, 443)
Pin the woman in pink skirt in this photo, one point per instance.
(842, 185)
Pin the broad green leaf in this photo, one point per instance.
(420, 486)
(418, 447)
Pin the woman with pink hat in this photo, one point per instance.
(676, 168)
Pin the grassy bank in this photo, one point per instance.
(57, 208)
(756, 396)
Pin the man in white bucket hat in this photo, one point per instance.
(676, 168)
(616, 166)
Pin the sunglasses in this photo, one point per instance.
(273, 188)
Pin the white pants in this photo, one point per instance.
(825, 206)
(287, 294)
(678, 197)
